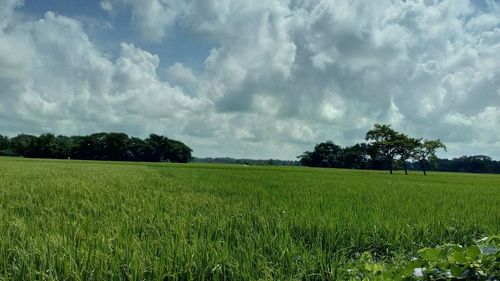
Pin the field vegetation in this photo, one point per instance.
(84, 220)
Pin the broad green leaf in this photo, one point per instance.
(374, 267)
(456, 271)
(412, 265)
(429, 254)
(443, 253)
(473, 252)
(457, 257)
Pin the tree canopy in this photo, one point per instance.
(384, 141)
(384, 146)
(425, 151)
(99, 146)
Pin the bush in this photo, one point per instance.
(447, 262)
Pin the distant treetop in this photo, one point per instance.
(99, 146)
(388, 149)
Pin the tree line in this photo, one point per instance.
(258, 162)
(99, 146)
(467, 164)
(385, 148)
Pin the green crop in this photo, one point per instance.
(84, 220)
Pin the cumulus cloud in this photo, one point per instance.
(53, 76)
(181, 74)
(106, 6)
(280, 76)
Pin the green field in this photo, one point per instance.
(78, 220)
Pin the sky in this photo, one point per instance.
(254, 79)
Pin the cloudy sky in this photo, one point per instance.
(256, 79)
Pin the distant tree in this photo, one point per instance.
(227, 160)
(79, 149)
(165, 149)
(470, 164)
(4, 143)
(99, 146)
(375, 162)
(387, 145)
(177, 151)
(384, 143)
(405, 148)
(355, 157)
(306, 159)
(22, 144)
(44, 146)
(115, 146)
(91, 147)
(427, 151)
(65, 147)
(140, 151)
(325, 154)
(158, 147)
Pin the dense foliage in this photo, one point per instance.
(479, 262)
(96, 220)
(389, 149)
(100, 146)
(469, 164)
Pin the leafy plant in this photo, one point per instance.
(446, 262)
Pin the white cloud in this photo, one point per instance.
(483, 22)
(281, 75)
(181, 74)
(106, 6)
(67, 85)
(7, 11)
(153, 18)
(458, 119)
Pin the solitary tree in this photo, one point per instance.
(426, 151)
(405, 148)
(384, 141)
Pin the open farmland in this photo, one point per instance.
(83, 220)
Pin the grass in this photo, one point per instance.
(83, 220)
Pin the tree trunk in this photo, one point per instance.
(404, 167)
(390, 165)
(422, 165)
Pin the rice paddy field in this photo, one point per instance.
(83, 220)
